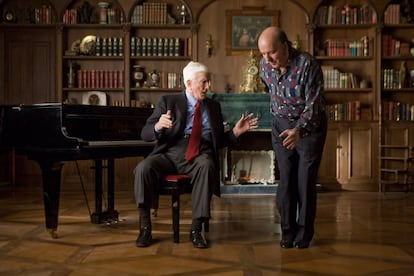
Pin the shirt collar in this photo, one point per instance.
(190, 98)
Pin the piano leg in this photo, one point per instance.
(111, 188)
(110, 214)
(51, 176)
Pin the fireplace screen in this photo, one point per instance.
(249, 167)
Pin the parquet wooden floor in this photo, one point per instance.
(357, 233)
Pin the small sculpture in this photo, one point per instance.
(71, 74)
(154, 79)
(183, 14)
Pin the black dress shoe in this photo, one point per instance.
(197, 239)
(144, 238)
(302, 244)
(286, 244)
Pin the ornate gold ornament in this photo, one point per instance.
(252, 82)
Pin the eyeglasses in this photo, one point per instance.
(205, 82)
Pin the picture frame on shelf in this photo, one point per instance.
(244, 26)
(95, 98)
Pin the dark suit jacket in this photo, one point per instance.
(177, 103)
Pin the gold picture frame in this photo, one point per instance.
(244, 26)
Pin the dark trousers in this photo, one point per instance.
(149, 172)
(296, 193)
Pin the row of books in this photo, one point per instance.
(160, 46)
(113, 16)
(348, 47)
(392, 14)
(109, 46)
(397, 111)
(396, 79)
(346, 14)
(117, 103)
(99, 79)
(334, 78)
(78, 16)
(350, 111)
(150, 13)
(174, 80)
(392, 47)
(43, 15)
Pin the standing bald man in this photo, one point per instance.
(295, 83)
(171, 125)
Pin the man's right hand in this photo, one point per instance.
(165, 121)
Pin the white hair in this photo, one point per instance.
(191, 69)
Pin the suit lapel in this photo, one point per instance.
(182, 108)
(212, 117)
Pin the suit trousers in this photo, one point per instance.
(296, 194)
(150, 171)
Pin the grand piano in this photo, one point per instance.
(53, 133)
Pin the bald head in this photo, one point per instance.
(272, 35)
(274, 46)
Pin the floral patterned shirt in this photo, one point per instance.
(296, 93)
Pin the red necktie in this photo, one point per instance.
(193, 147)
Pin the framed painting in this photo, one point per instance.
(244, 26)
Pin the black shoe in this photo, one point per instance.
(302, 244)
(197, 239)
(144, 238)
(286, 244)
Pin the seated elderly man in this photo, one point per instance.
(189, 131)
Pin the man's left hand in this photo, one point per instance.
(290, 138)
(245, 123)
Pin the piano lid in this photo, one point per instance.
(33, 126)
(56, 125)
(104, 123)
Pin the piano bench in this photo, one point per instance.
(176, 185)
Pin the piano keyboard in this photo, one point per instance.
(119, 143)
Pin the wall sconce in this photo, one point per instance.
(297, 43)
(209, 45)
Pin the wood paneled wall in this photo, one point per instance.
(295, 17)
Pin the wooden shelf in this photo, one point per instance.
(165, 26)
(22, 26)
(78, 57)
(407, 57)
(156, 89)
(159, 58)
(391, 90)
(399, 26)
(344, 57)
(94, 26)
(346, 26)
(348, 90)
(93, 89)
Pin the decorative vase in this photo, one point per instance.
(103, 13)
(139, 75)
